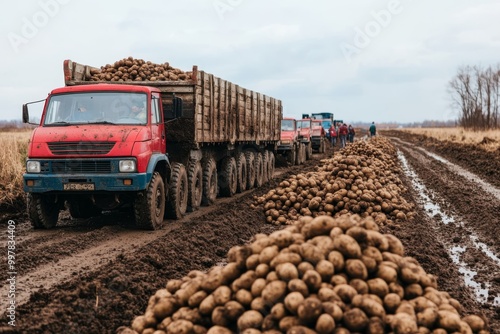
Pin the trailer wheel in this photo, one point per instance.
(43, 210)
(195, 182)
(149, 205)
(209, 182)
(228, 177)
(177, 192)
(259, 170)
(270, 165)
(83, 208)
(291, 156)
(300, 154)
(242, 172)
(265, 159)
(250, 158)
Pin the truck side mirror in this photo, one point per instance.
(26, 115)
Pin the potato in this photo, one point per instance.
(230, 272)
(397, 289)
(278, 311)
(258, 245)
(348, 246)
(338, 279)
(404, 324)
(197, 329)
(186, 313)
(303, 267)
(268, 254)
(475, 323)
(207, 305)
(345, 292)
(334, 310)
(299, 286)
(327, 295)
(300, 330)
(406, 307)
(377, 240)
(219, 330)
(252, 261)
(197, 298)
(273, 292)
(392, 302)
(288, 322)
(356, 269)
(272, 276)
(387, 273)
(355, 320)
(378, 286)
(336, 231)
(165, 307)
(395, 245)
(427, 318)
(413, 291)
(449, 321)
(239, 255)
(258, 304)
(262, 270)
(358, 233)
(325, 324)
(282, 257)
(258, 285)
(292, 302)
(139, 324)
(244, 297)
(321, 225)
(312, 280)
(372, 308)
(251, 331)
(309, 310)
(173, 285)
(212, 280)
(287, 271)
(311, 253)
(218, 317)
(360, 285)
(180, 327)
(410, 273)
(245, 281)
(233, 310)
(222, 295)
(282, 238)
(325, 269)
(250, 319)
(324, 243)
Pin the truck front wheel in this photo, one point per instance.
(291, 156)
(149, 206)
(43, 210)
(177, 192)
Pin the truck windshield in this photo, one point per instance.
(303, 124)
(96, 108)
(287, 125)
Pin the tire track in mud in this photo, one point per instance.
(467, 232)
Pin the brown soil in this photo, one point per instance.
(94, 276)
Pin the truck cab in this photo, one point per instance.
(305, 128)
(290, 145)
(318, 136)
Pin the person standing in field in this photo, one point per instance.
(333, 135)
(343, 134)
(373, 129)
(351, 133)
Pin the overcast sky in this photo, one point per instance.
(364, 60)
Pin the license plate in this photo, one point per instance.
(78, 186)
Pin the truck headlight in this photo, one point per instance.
(33, 166)
(126, 166)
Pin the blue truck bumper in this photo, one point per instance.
(85, 183)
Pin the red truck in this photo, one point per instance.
(159, 147)
(305, 132)
(290, 145)
(318, 136)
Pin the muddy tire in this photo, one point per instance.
(210, 185)
(178, 190)
(265, 159)
(228, 177)
(149, 205)
(309, 151)
(270, 165)
(322, 147)
(43, 211)
(83, 208)
(259, 170)
(195, 183)
(250, 158)
(291, 156)
(300, 154)
(242, 172)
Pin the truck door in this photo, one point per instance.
(157, 125)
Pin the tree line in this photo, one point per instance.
(475, 93)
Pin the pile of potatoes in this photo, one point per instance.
(360, 179)
(319, 275)
(130, 69)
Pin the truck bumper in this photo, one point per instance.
(316, 142)
(74, 183)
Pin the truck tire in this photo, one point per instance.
(259, 170)
(42, 211)
(242, 172)
(195, 183)
(323, 146)
(149, 205)
(178, 190)
(300, 154)
(291, 156)
(83, 208)
(228, 177)
(270, 165)
(249, 156)
(209, 182)
(309, 151)
(265, 159)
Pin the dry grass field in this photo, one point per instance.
(489, 140)
(13, 150)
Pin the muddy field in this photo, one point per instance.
(94, 276)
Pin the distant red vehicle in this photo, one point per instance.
(290, 145)
(318, 136)
(305, 132)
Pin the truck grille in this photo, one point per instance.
(80, 148)
(78, 166)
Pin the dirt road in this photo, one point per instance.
(94, 276)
